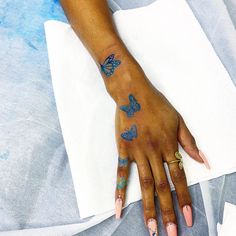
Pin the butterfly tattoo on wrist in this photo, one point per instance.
(109, 65)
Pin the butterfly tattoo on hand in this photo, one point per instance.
(109, 65)
(133, 106)
(131, 134)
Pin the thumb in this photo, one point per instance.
(188, 143)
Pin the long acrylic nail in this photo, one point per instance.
(204, 160)
(152, 227)
(118, 207)
(171, 229)
(187, 211)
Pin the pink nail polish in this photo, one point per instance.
(118, 206)
(204, 159)
(187, 211)
(171, 229)
(152, 227)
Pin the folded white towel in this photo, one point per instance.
(174, 52)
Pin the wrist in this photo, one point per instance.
(126, 77)
(129, 79)
(127, 82)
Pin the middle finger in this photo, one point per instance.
(147, 188)
(164, 193)
(179, 180)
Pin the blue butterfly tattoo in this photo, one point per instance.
(133, 106)
(122, 182)
(122, 162)
(109, 65)
(130, 134)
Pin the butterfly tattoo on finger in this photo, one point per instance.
(121, 183)
(123, 162)
(109, 65)
(133, 106)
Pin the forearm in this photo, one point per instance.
(92, 22)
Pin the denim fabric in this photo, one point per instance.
(36, 189)
(208, 199)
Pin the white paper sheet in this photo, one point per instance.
(174, 52)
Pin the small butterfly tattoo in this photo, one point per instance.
(121, 183)
(133, 106)
(122, 162)
(109, 65)
(131, 134)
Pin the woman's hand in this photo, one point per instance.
(148, 129)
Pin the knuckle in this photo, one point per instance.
(184, 199)
(148, 210)
(147, 182)
(167, 211)
(122, 145)
(178, 176)
(122, 171)
(168, 215)
(120, 194)
(162, 186)
(150, 141)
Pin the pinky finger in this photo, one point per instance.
(121, 183)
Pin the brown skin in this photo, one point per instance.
(160, 127)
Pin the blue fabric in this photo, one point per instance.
(36, 188)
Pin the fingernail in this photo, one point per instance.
(171, 229)
(152, 227)
(187, 211)
(204, 160)
(118, 207)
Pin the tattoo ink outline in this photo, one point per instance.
(109, 65)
